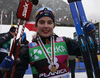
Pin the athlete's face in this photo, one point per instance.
(13, 34)
(45, 26)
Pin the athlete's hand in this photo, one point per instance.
(7, 64)
(89, 28)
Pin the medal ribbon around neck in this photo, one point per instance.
(45, 51)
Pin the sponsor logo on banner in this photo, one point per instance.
(58, 72)
(58, 49)
(34, 44)
(59, 39)
(25, 9)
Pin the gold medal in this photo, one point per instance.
(53, 68)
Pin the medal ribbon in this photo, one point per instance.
(45, 51)
(52, 48)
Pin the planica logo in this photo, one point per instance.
(61, 71)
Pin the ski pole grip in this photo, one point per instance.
(24, 10)
(69, 1)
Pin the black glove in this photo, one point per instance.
(35, 2)
(89, 28)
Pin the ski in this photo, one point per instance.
(93, 53)
(81, 39)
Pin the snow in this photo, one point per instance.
(61, 31)
(77, 75)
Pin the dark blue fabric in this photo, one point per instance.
(88, 28)
(8, 62)
(12, 29)
(45, 11)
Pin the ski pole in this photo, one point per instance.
(13, 44)
(18, 49)
(14, 40)
(23, 13)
